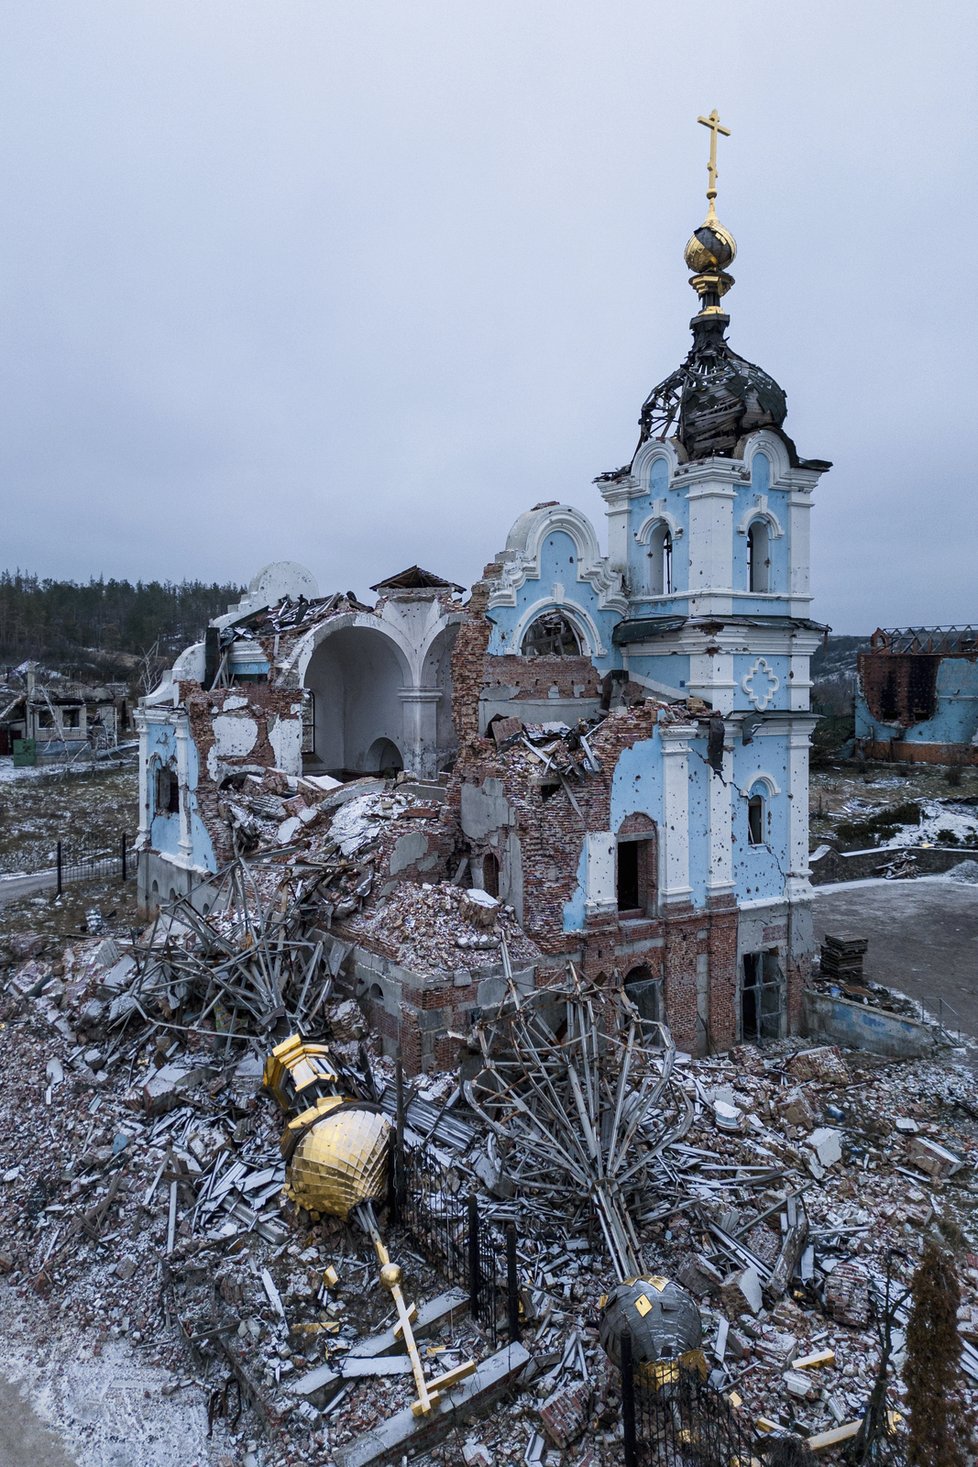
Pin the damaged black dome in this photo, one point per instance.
(713, 399)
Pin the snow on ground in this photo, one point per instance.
(105, 1403)
(8, 773)
(938, 821)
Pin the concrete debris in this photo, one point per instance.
(145, 1198)
(742, 1291)
(826, 1143)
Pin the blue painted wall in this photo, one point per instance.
(559, 562)
(164, 827)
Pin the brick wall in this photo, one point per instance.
(265, 702)
(899, 687)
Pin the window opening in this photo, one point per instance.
(635, 876)
(490, 874)
(660, 561)
(761, 996)
(167, 791)
(551, 635)
(758, 557)
(71, 718)
(755, 820)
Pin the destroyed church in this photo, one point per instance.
(593, 757)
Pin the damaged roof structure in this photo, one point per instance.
(917, 695)
(59, 717)
(612, 746)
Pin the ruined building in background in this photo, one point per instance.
(603, 757)
(917, 695)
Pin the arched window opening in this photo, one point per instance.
(660, 561)
(759, 557)
(755, 820)
(551, 635)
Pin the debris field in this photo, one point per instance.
(141, 1196)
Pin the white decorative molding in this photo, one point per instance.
(646, 457)
(767, 780)
(761, 684)
(759, 511)
(774, 449)
(659, 516)
(524, 554)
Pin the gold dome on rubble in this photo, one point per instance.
(340, 1159)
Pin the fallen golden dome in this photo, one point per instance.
(340, 1157)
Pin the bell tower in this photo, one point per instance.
(709, 525)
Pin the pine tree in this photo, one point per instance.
(939, 1432)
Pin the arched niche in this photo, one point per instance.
(383, 757)
(436, 673)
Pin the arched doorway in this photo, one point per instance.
(356, 676)
(645, 992)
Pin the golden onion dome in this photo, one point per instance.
(341, 1160)
(711, 247)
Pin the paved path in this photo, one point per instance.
(12, 888)
(25, 1440)
(923, 937)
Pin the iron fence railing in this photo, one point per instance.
(450, 1230)
(678, 1420)
(86, 860)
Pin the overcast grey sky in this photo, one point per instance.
(355, 283)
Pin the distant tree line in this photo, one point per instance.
(104, 625)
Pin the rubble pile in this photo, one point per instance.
(434, 928)
(141, 1195)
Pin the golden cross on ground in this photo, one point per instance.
(714, 124)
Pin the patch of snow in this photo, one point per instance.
(935, 816)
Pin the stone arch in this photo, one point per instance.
(582, 624)
(638, 824)
(356, 673)
(551, 634)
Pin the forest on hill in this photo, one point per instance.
(104, 627)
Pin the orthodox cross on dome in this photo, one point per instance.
(715, 126)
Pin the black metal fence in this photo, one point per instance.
(678, 1419)
(85, 860)
(451, 1233)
